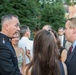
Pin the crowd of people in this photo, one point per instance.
(49, 53)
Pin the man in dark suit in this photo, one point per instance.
(70, 33)
(8, 60)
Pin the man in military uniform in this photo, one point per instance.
(8, 60)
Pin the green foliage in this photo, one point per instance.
(70, 3)
(53, 14)
(27, 10)
(60, 1)
(34, 14)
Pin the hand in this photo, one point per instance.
(28, 53)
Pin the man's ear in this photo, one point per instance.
(27, 33)
(6, 26)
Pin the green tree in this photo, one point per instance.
(53, 14)
(69, 2)
(27, 10)
(33, 13)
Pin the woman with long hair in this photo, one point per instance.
(45, 55)
(62, 50)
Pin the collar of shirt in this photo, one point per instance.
(25, 38)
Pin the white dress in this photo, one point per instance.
(20, 61)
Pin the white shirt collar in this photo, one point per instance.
(25, 37)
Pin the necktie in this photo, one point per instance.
(71, 49)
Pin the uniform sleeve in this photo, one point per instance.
(6, 64)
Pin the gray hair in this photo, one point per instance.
(7, 17)
(23, 30)
(60, 28)
(48, 27)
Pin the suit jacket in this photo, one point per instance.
(8, 59)
(71, 62)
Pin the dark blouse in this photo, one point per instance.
(61, 49)
(61, 68)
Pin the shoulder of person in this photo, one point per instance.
(31, 41)
(64, 50)
(22, 51)
(3, 42)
